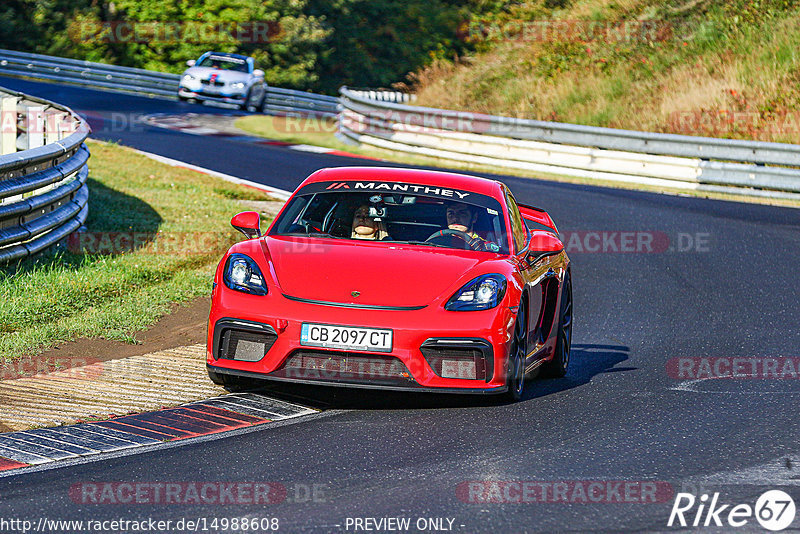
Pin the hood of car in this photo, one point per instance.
(370, 274)
(227, 76)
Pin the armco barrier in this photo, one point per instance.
(699, 163)
(146, 82)
(383, 119)
(43, 173)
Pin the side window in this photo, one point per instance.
(518, 229)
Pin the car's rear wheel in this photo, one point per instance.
(515, 375)
(557, 367)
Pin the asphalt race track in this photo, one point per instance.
(719, 281)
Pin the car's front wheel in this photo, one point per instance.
(245, 106)
(557, 367)
(515, 374)
(231, 382)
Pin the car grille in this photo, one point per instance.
(215, 83)
(340, 366)
(245, 346)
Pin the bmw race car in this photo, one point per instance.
(229, 78)
(394, 278)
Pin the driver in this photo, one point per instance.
(461, 218)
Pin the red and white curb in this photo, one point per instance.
(181, 124)
(212, 416)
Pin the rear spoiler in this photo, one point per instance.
(537, 219)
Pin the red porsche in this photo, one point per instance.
(398, 279)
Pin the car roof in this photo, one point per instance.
(451, 180)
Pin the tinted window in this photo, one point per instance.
(517, 225)
(470, 222)
(224, 63)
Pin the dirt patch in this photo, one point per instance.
(185, 324)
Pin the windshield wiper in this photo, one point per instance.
(425, 243)
(324, 234)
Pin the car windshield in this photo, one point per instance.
(399, 213)
(224, 63)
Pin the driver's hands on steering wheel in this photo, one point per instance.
(474, 243)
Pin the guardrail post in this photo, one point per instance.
(34, 128)
(53, 126)
(8, 125)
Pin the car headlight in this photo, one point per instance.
(188, 78)
(242, 274)
(481, 293)
(237, 85)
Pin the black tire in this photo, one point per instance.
(515, 373)
(262, 103)
(558, 366)
(183, 98)
(215, 377)
(245, 106)
(232, 383)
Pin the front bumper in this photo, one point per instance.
(485, 333)
(200, 94)
(411, 387)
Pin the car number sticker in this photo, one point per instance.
(346, 337)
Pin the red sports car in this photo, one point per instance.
(397, 279)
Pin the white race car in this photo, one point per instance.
(228, 78)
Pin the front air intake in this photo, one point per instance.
(468, 359)
(245, 346)
(242, 341)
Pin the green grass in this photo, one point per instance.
(64, 294)
(712, 57)
(319, 132)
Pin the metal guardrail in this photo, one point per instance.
(288, 101)
(146, 82)
(88, 73)
(383, 95)
(43, 172)
(699, 163)
(381, 118)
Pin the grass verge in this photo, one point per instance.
(722, 68)
(321, 133)
(154, 236)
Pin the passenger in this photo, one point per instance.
(366, 227)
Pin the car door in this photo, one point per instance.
(521, 238)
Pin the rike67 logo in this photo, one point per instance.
(774, 510)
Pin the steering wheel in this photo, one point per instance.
(475, 243)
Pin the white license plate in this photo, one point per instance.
(346, 337)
